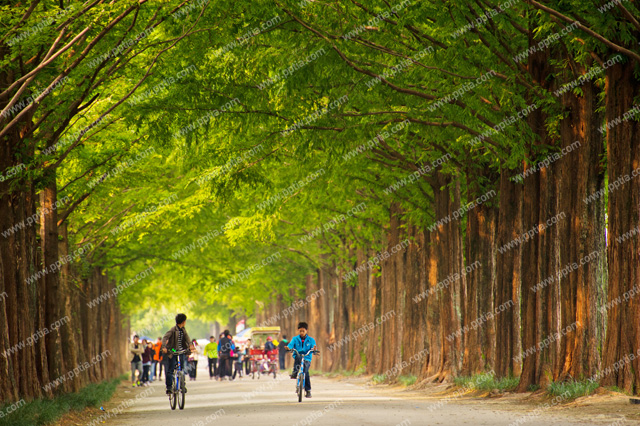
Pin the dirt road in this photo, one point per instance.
(267, 401)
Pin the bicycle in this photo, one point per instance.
(300, 378)
(255, 355)
(178, 389)
(255, 371)
(273, 363)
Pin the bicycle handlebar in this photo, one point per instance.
(315, 352)
(184, 351)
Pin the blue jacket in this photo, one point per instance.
(296, 343)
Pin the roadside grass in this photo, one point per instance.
(331, 374)
(572, 389)
(617, 389)
(340, 373)
(487, 382)
(407, 380)
(358, 372)
(484, 382)
(46, 411)
(378, 378)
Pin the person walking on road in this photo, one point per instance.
(247, 358)
(238, 358)
(193, 360)
(282, 351)
(211, 351)
(136, 349)
(225, 346)
(147, 358)
(157, 357)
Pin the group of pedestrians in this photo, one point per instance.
(226, 360)
(220, 356)
(146, 360)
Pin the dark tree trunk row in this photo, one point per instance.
(559, 322)
(32, 352)
(568, 301)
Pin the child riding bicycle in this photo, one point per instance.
(176, 339)
(304, 344)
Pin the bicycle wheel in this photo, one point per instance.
(181, 394)
(173, 398)
(300, 385)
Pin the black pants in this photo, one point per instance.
(224, 368)
(282, 367)
(159, 368)
(171, 365)
(213, 367)
(145, 372)
(247, 365)
(307, 378)
(193, 366)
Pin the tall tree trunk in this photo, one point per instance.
(10, 265)
(392, 288)
(69, 345)
(51, 278)
(414, 314)
(323, 316)
(432, 311)
(373, 343)
(581, 235)
(530, 255)
(623, 157)
(360, 312)
(448, 254)
(508, 273)
(479, 344)
(536, 250)
(548, 297)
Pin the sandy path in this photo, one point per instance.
(267, 401)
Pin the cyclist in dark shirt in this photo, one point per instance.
(177, 338)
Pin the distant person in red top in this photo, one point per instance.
(147, 358)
